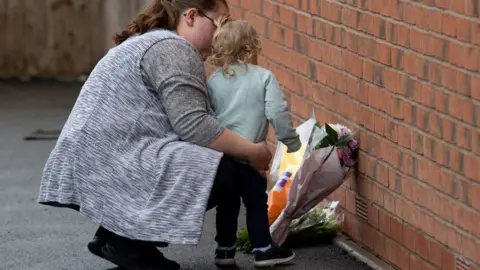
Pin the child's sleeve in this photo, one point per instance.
(276, 111)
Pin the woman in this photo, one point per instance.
(140, 153)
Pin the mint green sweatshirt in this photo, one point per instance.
(246, 102)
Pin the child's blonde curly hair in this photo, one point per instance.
(234, 42)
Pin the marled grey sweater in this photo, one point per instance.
(131, 155)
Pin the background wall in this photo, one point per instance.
(59, 38)
(406, 73)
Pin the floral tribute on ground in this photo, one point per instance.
(298, 211)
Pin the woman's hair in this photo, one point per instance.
(163, 14)
(234, 42)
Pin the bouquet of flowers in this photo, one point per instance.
(314, 172)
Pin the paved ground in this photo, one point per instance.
(35, 237)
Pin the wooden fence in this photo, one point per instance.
(59, 38)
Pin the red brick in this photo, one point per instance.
(435, 20)
(414, 15)
(395, 253)
(476, 33)
(292, 3)
(472, 163)
(377, 194)
(469, 247)
(416, 263)
(350, 17)
(304, 24)
(454, 239)
(367, 235)
(330, 11)
(403, 258)
(439, 231)
(350, 201)
(396, 229)
(449, 24)
(380, 125)
(364, 187)
(384, 222)
(299, 106)
(379, 244)
(382, 174)
(257, 21)
(464, 29)
(287, 15)
(373, 216)
(389, 202)
(422, 246)
(402, 36)
(448, 260)
(251, 5)
(455, 105)
(237, 13)
(271, 11)
(353, 64)
(351, 226)
(409, 236)
(458, 6)
(435, 253)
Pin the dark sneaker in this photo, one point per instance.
(146, 257)
(225, 258)
(273, 256)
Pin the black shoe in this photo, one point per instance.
(273, 256)
(99, 240)
(225, 258)
(143, 256)
(95, 246)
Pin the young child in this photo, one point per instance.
(246, 98)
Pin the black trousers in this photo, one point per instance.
(234, 181)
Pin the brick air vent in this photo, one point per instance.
(461, 264)
(361, 208)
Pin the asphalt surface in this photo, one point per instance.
(36, 237)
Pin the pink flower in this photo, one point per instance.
(353, 144)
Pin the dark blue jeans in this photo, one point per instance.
(234, 181)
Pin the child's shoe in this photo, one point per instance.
(225, 258)
(273, 256)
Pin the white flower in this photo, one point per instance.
(341, 130)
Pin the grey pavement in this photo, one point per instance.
(36, 237)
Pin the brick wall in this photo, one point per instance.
(405, 73)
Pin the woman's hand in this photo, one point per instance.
(236, 146)
(260, 157)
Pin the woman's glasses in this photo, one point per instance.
(206, 16)
(201, 13)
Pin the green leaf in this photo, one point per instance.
(325, 142)
(344, 141)
(331, 133)
(243, 241)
